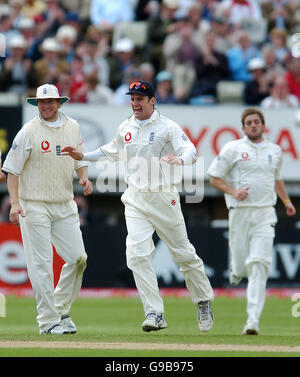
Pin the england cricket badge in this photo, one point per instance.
(58, 150)
(151, 137)
(270, 159)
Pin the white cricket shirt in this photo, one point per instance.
(21, 148)
(142, 147)
(242, 163)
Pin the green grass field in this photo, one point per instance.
(118, 320)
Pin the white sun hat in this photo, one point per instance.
(18, 41)
(66, 31)
(26, 23)
(124, 45)
(256, 63)
(50, 44)
(46, 91)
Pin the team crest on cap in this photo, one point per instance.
(44, 90)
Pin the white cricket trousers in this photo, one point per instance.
(146, 212)
(44, 224)
(251, 236)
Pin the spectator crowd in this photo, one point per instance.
(83, 47)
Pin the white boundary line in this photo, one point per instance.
(149, 346)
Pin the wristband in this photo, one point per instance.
(286, 201)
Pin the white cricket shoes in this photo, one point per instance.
(67, 323)
(251, 328)
(154, 322)
(205, 316)
(54, 329)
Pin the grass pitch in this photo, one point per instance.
(118, 320)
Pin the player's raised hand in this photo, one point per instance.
(73, 152)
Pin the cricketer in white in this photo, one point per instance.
(247, 171)
(40, 185)
(154, 204)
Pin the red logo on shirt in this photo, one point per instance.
(128, 137)
(45, 146)
(173, 202)
(245, 156)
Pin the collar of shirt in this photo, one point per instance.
(58, 123)
(155, 116)
(141, 122)
(255, 145)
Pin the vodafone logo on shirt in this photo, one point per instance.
(45, 145)
(128, 137)
(245, 156)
